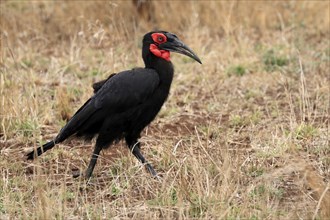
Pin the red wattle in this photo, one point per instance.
(164, 54)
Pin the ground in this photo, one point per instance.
(243, 136)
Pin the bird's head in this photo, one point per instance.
(161, 43)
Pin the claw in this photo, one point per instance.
(153, 172)
(76, 173)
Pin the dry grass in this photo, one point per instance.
(243, 136)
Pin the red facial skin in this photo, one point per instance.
(159, 38)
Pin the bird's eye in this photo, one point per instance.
(158, 38)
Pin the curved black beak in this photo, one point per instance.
(175, 45)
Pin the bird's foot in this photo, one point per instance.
(153, 172)
(76, 173)
(159, 178)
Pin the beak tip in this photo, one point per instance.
(198, 60)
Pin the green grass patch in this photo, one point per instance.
(238, 70)
(272, 60)
(255, 171)
(197, 207)
(305, 131)
(95, 72)
(27, 128)
(241, 121)
(168, 198)
(26, 63)
(237, 121)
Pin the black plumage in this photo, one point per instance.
(126, 102)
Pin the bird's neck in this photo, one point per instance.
(164, 69)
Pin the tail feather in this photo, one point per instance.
(40, 150)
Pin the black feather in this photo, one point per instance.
(98, 85)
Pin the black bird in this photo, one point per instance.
(125, 103)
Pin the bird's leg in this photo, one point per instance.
(92, 163)
(135, 148)
(137, 153)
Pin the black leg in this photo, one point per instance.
(137, 153)
(135, 148)
(92, 163)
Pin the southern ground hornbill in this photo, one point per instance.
(125, 103)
